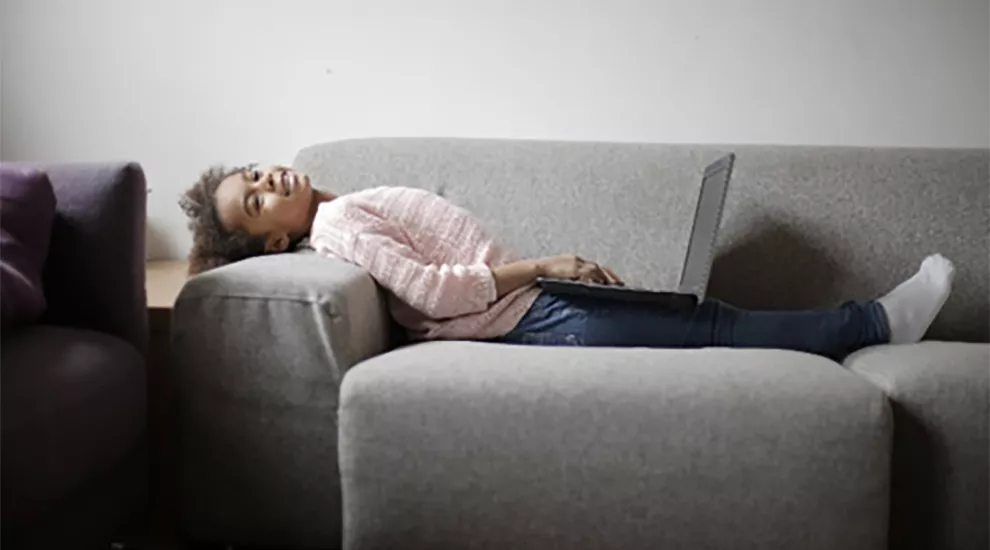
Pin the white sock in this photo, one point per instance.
(913, 305)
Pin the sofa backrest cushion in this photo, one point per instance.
(803, 226)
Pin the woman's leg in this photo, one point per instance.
(903, 314)
(832, 333)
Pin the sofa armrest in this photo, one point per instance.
(260, 347)
(94, 274)
(939, 392)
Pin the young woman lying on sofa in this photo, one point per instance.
(450, 278)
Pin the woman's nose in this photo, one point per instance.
(269, 181)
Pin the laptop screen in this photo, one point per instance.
(707, 218)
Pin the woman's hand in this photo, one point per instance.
(515, 275)
(574, 268)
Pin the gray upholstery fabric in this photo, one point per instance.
(73, 405)
(803, 226)
(474, 445)
(260, 349)
(941, 401)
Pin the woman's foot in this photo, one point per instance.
(913, 305)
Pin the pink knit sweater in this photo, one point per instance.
(433, 257)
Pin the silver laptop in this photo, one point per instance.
(697, 262)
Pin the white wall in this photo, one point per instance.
(178, 85)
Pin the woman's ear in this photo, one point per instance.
(276, 242)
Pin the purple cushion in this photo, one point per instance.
(27, 209)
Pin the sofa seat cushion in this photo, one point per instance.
(940, 392)
(460, 444)
(73, 404)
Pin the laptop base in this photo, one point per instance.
(673, 300)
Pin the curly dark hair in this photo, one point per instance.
(213, 245)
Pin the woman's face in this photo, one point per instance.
(274, 202)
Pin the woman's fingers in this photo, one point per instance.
(613, 279)
(590, 273)
(606, 276)
(600, 276)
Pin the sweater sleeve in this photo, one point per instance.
(439, 291)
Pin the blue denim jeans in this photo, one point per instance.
(571, 321)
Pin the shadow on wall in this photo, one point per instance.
(777, 263)
(773, 265)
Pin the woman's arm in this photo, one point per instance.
(439, 291)
(442, 291)
(511, 277)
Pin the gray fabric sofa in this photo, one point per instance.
(74, 462)
(305, 421)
